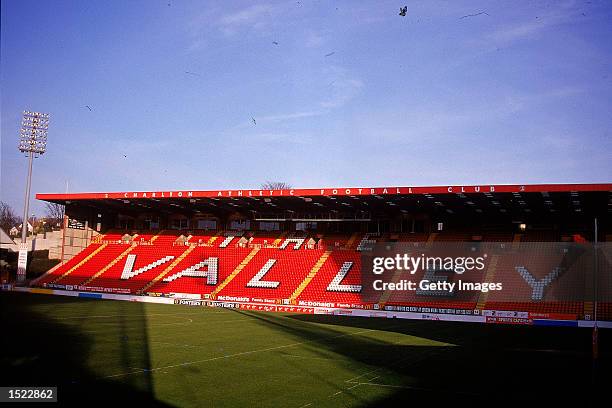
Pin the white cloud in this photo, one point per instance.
(538, 22)
(255, 16)
(343, 90)
(292, 138)
(212, 18)
(288, 116)
(270, 138)
(439, 122)
(314, 40)
(246, 16)
(520, 102)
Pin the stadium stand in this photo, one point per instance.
(318, 289)
(294, 274)
(136, 271)
(321, 263)
(90, 265)
(73, 263)
(284, 270)
(231, 259)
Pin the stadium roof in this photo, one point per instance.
(326, 192)
(510, 199)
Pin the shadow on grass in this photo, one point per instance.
(492, 364)
(51, 341)
(43, 347)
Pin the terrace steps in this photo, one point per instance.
(110, 264)
(351, 241)
(489, 276)
(212, 239)
(387, 294)
(278, 240)
(516, 241)
(235, 272)
(310, 276)
(85, 260)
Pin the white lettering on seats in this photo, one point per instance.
(257, 282)
(298, 243)
(336, 286)
(129, 265)
(366, 243)
(195, 271)
(226, 241)
(538, 286)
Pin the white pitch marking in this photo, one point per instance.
(180, 323)
(244, 353)
(170, 324)
(417, 388)
(423, 356)
(130, 315)
(187, 320)
(307, 358)
(174, 344)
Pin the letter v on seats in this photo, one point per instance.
(128, 271)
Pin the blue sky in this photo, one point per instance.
(521, 94)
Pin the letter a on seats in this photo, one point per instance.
(195, 271)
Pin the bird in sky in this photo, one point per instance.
(475, 15)
(87, 106)
(403, 11)
(253, 119)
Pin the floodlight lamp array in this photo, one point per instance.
(33, 134)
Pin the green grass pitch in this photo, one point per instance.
(170, 355)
